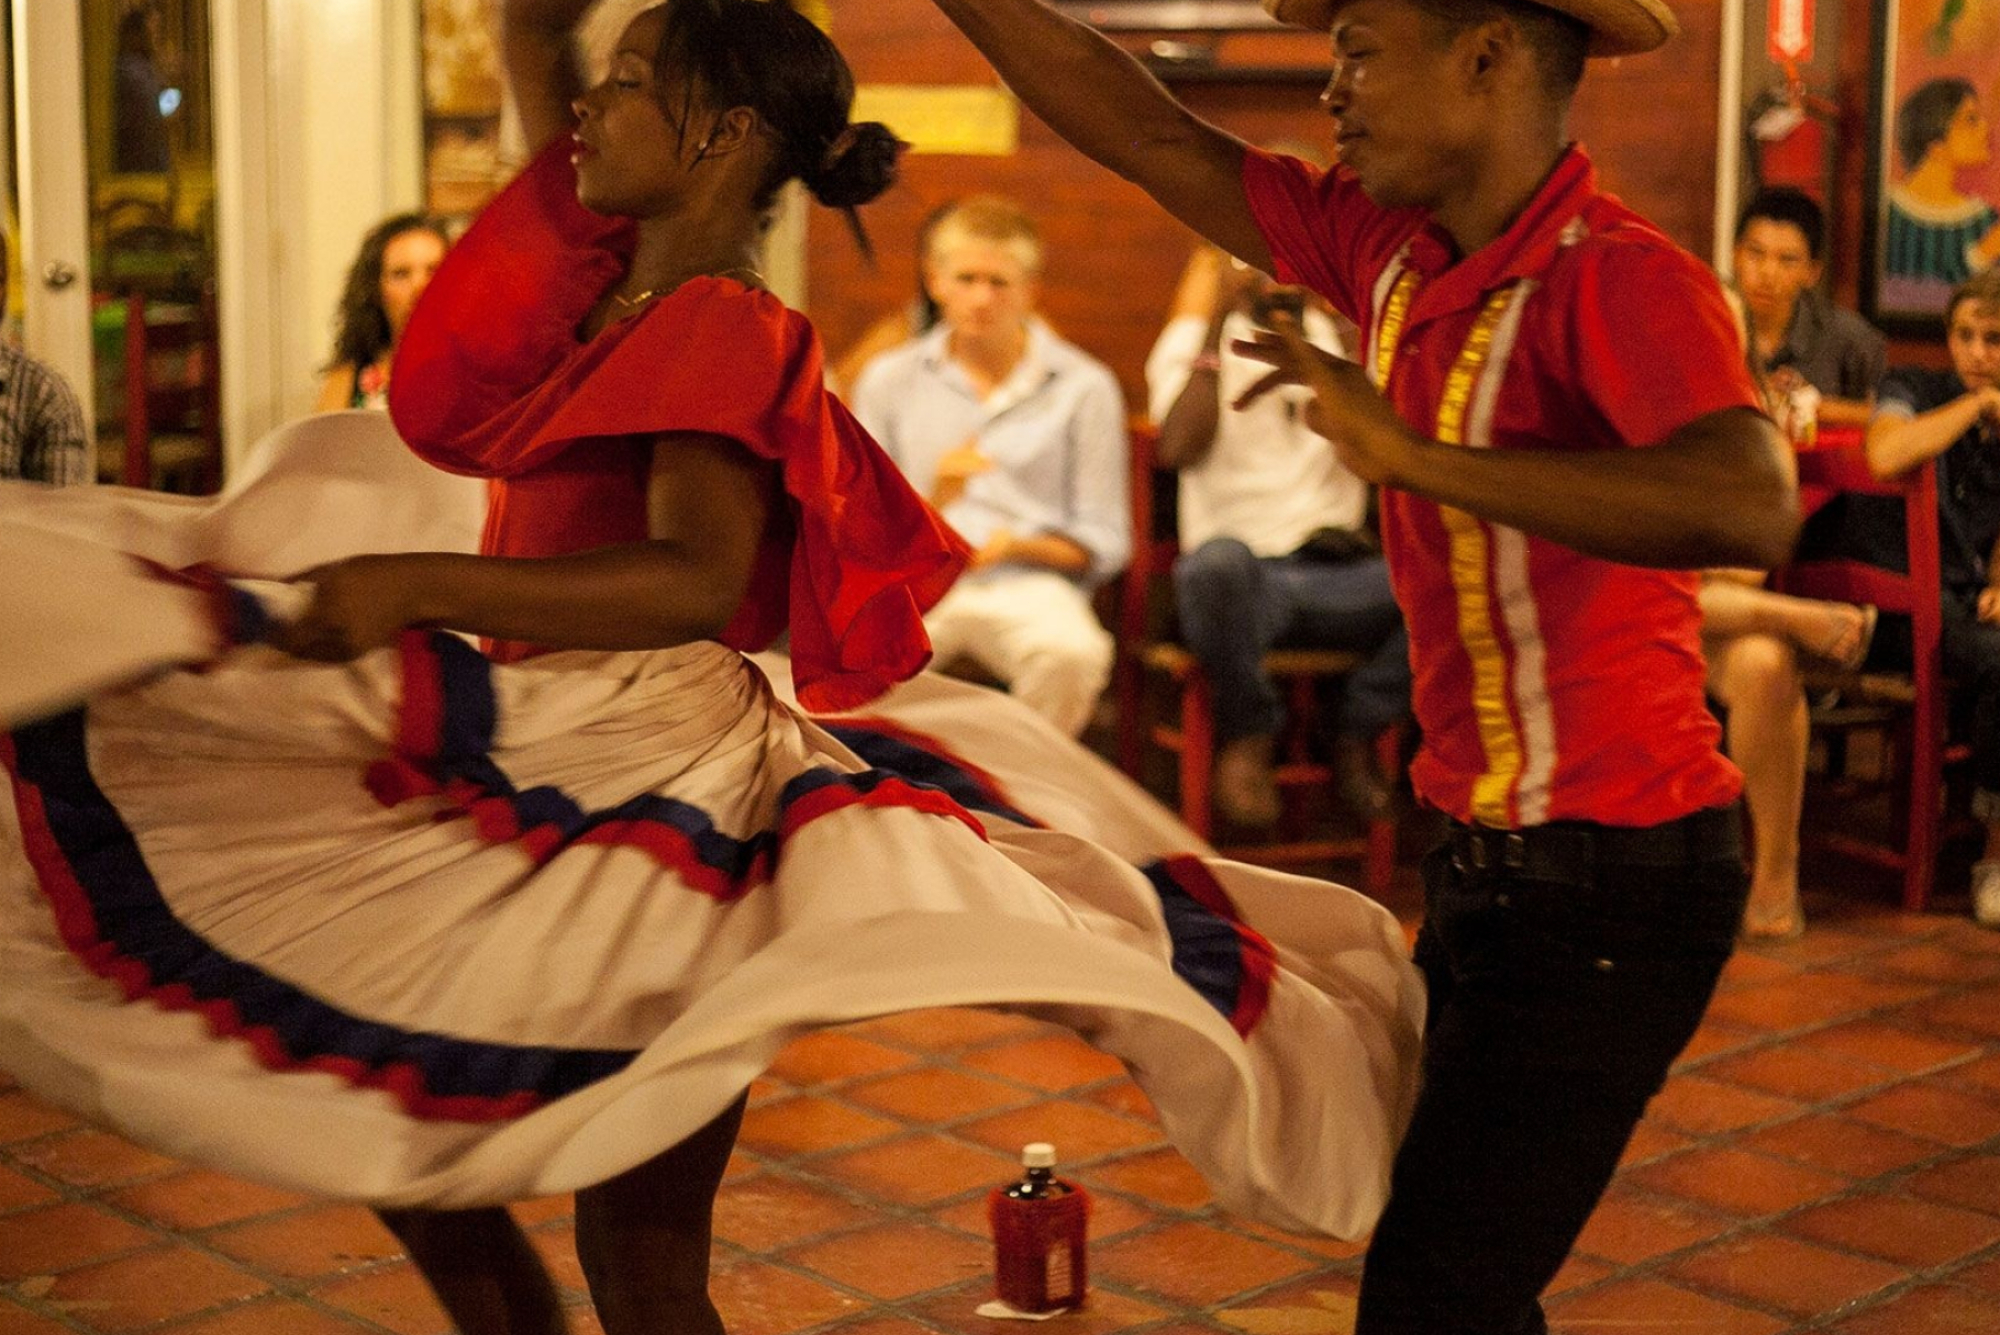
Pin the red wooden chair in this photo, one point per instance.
(1145, 655)
(1913, 707)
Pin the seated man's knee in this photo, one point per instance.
(1084, 655)
(1062, 676)
(1218, 566)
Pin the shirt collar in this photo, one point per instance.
(1809, 319)
(1034, 367)
(1551, 221)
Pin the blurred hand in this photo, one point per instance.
(956, 468)
(1989, 605)
(993, 551)
(554, 15)
(1238, 283)
(1368, 437)
(357, 605)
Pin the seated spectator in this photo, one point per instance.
(1953, 416)
(1797, 338)
(1275, 545)
(398, 258)
(41, 422)
(1019, 439)
(1755, 641)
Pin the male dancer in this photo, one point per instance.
(1553, 397)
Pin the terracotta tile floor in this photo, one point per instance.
(1826, 1158)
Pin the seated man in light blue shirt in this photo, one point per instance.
(1018, 438)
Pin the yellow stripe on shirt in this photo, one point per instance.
(1395, 313)
(1471, 560)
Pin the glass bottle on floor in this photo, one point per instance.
(1039, 1227)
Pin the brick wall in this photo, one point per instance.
(1113, 256)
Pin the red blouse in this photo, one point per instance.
(491, 381)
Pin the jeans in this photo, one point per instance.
(1235, 607)
(1971, 654)
(1557, 1004)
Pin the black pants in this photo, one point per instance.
(1971, 654)
(1562, 987)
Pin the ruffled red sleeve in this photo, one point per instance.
(490, 380)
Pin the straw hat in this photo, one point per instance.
(1617, 27)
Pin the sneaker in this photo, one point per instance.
(1246, 788)
(1986, 893)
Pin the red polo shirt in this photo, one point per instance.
(1549, 685)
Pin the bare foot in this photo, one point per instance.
(1844, 632)
(1776, 918)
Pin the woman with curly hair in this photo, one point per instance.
(397, 260)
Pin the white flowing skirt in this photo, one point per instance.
(423, 930)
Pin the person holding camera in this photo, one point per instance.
(1276, 545)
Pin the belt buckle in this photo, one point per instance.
(1514, 851)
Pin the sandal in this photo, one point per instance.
(1857, 656)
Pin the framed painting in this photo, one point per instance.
(462, 104)
(1933, 183)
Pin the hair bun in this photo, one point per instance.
(859, 165)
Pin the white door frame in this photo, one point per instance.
(318, 128)
(1728, 139)
(52, 189)
(248, 241)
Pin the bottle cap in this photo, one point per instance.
(1041, 1154)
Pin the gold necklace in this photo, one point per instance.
(639, 298)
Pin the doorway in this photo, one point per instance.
(111, 178)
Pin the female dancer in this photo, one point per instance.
(438, 932)
(706, 110)
(396, 262)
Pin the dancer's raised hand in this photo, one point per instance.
(1367, 435)
(541, 64)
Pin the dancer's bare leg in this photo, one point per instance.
(482, 1268)
(1757, 677)
(1733, 604)
(643, 1236)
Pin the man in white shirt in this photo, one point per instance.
(1275, 545)
(1018, 438)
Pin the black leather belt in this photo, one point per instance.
(1567, 849)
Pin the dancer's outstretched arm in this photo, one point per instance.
(1720, 490)
(708, 499)
(1105, 103)
(538, 47)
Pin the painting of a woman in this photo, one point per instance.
(1936, 182)
(1938, 236)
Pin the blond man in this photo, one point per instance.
(1018, 437)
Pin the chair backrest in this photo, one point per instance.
(1916, 592)
(171, 382)
(1155, 542)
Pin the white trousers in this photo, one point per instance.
(1036, 632)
